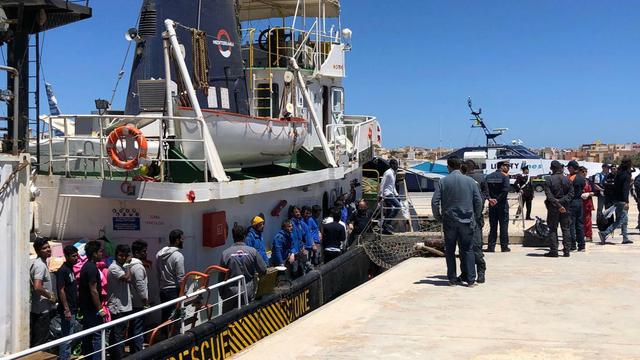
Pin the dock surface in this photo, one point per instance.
(531, 307)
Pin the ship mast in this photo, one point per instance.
(479, 122)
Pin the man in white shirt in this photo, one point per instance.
(389, 195)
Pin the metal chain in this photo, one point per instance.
(201, 63)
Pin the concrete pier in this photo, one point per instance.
(531, 307)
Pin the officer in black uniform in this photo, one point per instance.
(498, 186)
(559, 192)
(575, 207)
(525, 186)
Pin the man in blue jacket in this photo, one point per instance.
(254, 237)
(314, 232)
(283, 248)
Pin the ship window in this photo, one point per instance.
(337, 100)
(267, 104)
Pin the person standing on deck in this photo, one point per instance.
(140, 293)
(240, 259)
(68, 295)
(498, 185)
(89, 290)
(636, 196)
(389, 196)
(119, 298)
(170, 267)
(458, 204)
(42, 296)
(302, 236)
(333, 234)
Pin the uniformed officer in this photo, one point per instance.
(559, 192)
(575, 207)
(469, 168)
(457, 203)
(498, 186)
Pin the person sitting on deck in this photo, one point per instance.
(254, 237)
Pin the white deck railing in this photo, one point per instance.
(241, 295)
(108, 122)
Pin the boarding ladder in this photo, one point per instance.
(262, 100)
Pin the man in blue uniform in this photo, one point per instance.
(498, 186)
(254, 237)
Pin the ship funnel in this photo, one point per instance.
(209, 25)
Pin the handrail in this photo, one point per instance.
(237, 279)
(351, 131)
(110, 121)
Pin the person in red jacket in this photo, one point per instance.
(587, 204)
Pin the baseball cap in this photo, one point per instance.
(574, 164)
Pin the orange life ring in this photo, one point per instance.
(124, 132)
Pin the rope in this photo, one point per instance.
(19, 168)
(201, 63)
(293, 147)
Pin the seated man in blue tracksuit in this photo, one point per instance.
(314, 232)
(254, 237)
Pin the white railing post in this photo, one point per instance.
(103, 344)
(101, 134)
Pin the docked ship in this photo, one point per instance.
(226, 118)
(488, 156)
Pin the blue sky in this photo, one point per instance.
(556, 73)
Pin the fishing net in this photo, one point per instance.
(387, 251)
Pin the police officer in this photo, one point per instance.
(498, 185)
(559, 192)
(525, 186)
(575, 207)
(469, 168)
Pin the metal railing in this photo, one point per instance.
(241, 295)
(285, 42)
(351, 138)
(107, 122)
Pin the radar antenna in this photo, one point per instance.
(478, 122)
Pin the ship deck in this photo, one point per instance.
(531, 307)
